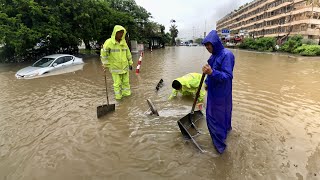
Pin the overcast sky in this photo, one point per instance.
(193, 17)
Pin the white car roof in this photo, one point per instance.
(56, 55)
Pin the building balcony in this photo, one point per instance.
(257, 7)
(293, 22)
(232, 21)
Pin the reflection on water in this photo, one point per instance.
(49, 129)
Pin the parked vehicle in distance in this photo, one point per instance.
(48, 64)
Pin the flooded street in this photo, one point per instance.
(49, 129)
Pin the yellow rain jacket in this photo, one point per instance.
(114, 55)
(190, 84)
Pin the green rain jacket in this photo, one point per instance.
(190, 83)
(114, 55)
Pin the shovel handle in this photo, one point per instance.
(198, 93)
(105, 82)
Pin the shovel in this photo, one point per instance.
(106, 108)
(187, 124)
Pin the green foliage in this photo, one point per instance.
(61, 25)
(164, 38)
(178, 41)
(174, 33)
(265, 44)
(247, 43)
(309, 41)
(308, 50)
(199, 40)
(292, 43)
(138, 25)
(167, 38)
(260, 44)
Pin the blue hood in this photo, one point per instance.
(214, 39)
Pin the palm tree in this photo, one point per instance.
(174, 33)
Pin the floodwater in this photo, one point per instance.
(49, 129)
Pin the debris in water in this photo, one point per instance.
(159, 85)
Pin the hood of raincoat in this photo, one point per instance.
(214, 39)
(115, 30)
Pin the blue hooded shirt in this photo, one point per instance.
(219, 95)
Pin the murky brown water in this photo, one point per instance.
(49, 129)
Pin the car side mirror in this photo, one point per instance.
(54, 64)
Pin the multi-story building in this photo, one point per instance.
(275, 18)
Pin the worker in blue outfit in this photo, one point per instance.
(219, 72)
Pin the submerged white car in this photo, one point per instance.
(48, 64)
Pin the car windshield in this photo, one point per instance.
(43, 62)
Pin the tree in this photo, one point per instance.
(91, 18)
(16, 27)
(162, 35)
(178, 41)
(199, 40)
(60, 25)
(139, 17)
(167, 38)
(174, 33)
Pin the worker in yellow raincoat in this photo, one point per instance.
(187, 85)
(116, 56)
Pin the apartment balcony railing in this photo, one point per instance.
(272, 17)
(293, 14)
(255, 8)
(312, 33)
(293, 22)
(234, 20)
(278, 7)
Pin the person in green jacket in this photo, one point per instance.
(187, 85)
(116, 56)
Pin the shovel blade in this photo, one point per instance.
(186, 124)
(105, 109)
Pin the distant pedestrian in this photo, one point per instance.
(115, 55)
(219, 72)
